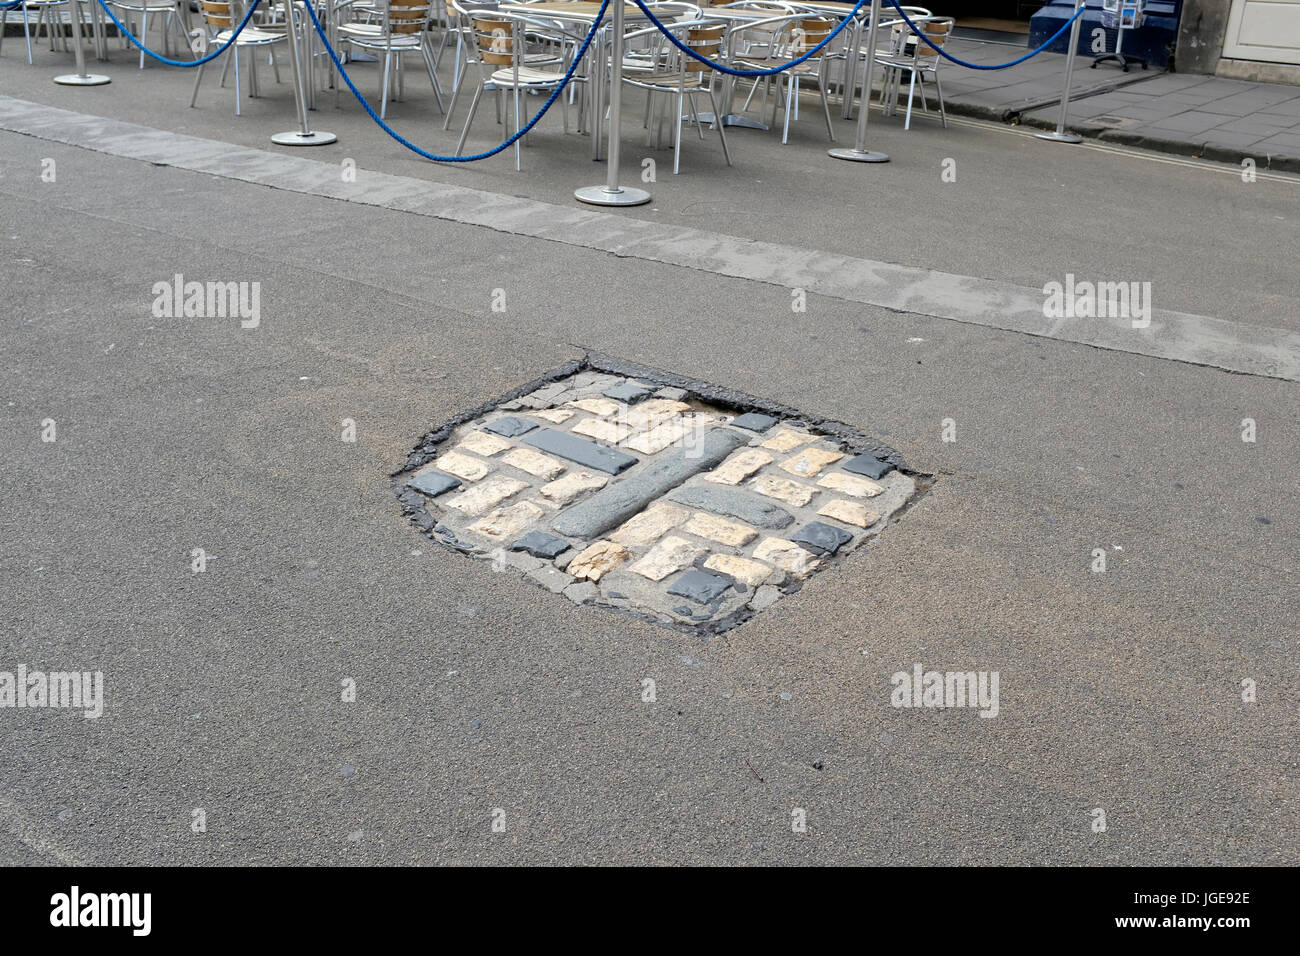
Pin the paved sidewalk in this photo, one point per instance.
(1182, 113)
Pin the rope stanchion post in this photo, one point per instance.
(612, 194)
(304, 135)
(859, 152)
(1060, 135)
(81, 77)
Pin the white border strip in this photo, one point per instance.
(1179, 336)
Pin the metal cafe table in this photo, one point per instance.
(581, 11)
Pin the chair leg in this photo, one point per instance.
(791, 91)
(431, 62)
(677, 137)
(234, 55)
(911, 88)
(254, 88)
(383, 88)
(275, 65)
(197, 80)
(473, 108)
(144, 32)
(519, 156)
(27, 35)
(337, 80)
(455, 95)
(722, 133)
(826, 106)
(943, 115)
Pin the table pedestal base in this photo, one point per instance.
(82, 79)
(733, 119)
(858, 155)
(605, 196)
(295, 138)
(1060, 137)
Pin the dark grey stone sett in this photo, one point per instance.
(700, 586)
(586, 453)
(868, 465)
(509, 427)
(754, 421)
(626, 392)
(734, 503)
(434, 483)
(620, 500)
(821, 538)
(541, 545)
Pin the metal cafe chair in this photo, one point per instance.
(47, 13)
(791, 38)
(403, 29)
(666, 69)
(166, 13)
(916, 58)
(502, 44)
(220, 18)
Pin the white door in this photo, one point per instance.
(1267, 30)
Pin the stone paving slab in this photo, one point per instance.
(701, 531)
(1188, 114)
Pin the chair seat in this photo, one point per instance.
(250, 37)
(528, 76)
(361, 29)
(669, 81)
(905, 63)
(151, 6)
(400, 42)
(811, 67)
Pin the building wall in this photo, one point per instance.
(1200, 35)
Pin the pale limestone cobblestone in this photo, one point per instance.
(481, 443)
(782, 489)
(611, 433)
(512, 489)
(850, 512)
(534, 462)
(853, 485)
(462, 466)
(739, 466)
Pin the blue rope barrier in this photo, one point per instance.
(10, 6)
(577, 58)
(728, 70)
(170, 62)
(978, 66)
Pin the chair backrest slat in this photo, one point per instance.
(706, 41)
(494, 38)
(218, 13)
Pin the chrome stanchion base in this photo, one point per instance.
(1059, 137)
(295, 138)
(82, 79)
(858, 155)
(618, 196)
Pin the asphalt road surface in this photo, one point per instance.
(481, 698)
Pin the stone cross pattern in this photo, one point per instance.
(628, 494)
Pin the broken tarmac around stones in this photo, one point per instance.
(641, 491)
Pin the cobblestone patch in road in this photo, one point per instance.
(670, 499)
